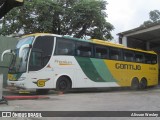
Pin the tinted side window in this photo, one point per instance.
(41, 52)
(45, 43)
(115, 54)
(139, 57)
(36, 60)
(84, 49)
(64, 47)
(101, 52)
(154, 59)
(128, 56)
(150, 59)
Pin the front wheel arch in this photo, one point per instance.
(63, 84)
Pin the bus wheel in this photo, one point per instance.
(42, 91)
(143, 83)
(135, 84)
(63, 84)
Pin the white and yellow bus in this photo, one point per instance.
(47, 61)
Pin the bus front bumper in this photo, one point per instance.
(18, 86)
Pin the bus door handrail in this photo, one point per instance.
(22, 48)
(5, 52)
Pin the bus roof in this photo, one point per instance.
(102, 42)
(95, 41)
(41, 34)
(106, 43)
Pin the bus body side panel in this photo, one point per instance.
(42, 79)
(124, 72)
(84, 72)
(68, 66)
(111, 73)
(87, 72)
(63, 66)
(95, 73)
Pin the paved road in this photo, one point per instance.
(92, 100)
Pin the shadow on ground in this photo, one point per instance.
(84, 90)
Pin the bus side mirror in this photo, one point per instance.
(22, 48)
(5, 52)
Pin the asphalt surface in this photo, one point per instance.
(110, 99)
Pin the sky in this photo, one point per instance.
(129, 14)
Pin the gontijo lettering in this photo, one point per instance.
(127, 66)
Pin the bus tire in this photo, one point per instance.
(42, 91)
(135, 84)
(63, 84)
(143, 83)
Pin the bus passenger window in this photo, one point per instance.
(150, 59)
(84, 50)
(115, 54)
(154, 59)
(101, 52)
(64, 51)
(139, 57)
(128, 56)
(64, 47)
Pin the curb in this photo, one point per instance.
(25, 97)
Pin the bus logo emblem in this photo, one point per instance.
(41, 82)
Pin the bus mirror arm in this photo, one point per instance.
(5, 52)
(22, 48)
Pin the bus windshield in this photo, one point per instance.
(20, 64)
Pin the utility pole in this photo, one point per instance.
(2, 99)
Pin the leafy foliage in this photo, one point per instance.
(79, 18)
(154, 17)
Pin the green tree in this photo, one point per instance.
(154, 17)
(79, 18)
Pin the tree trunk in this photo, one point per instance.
(82, 32)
